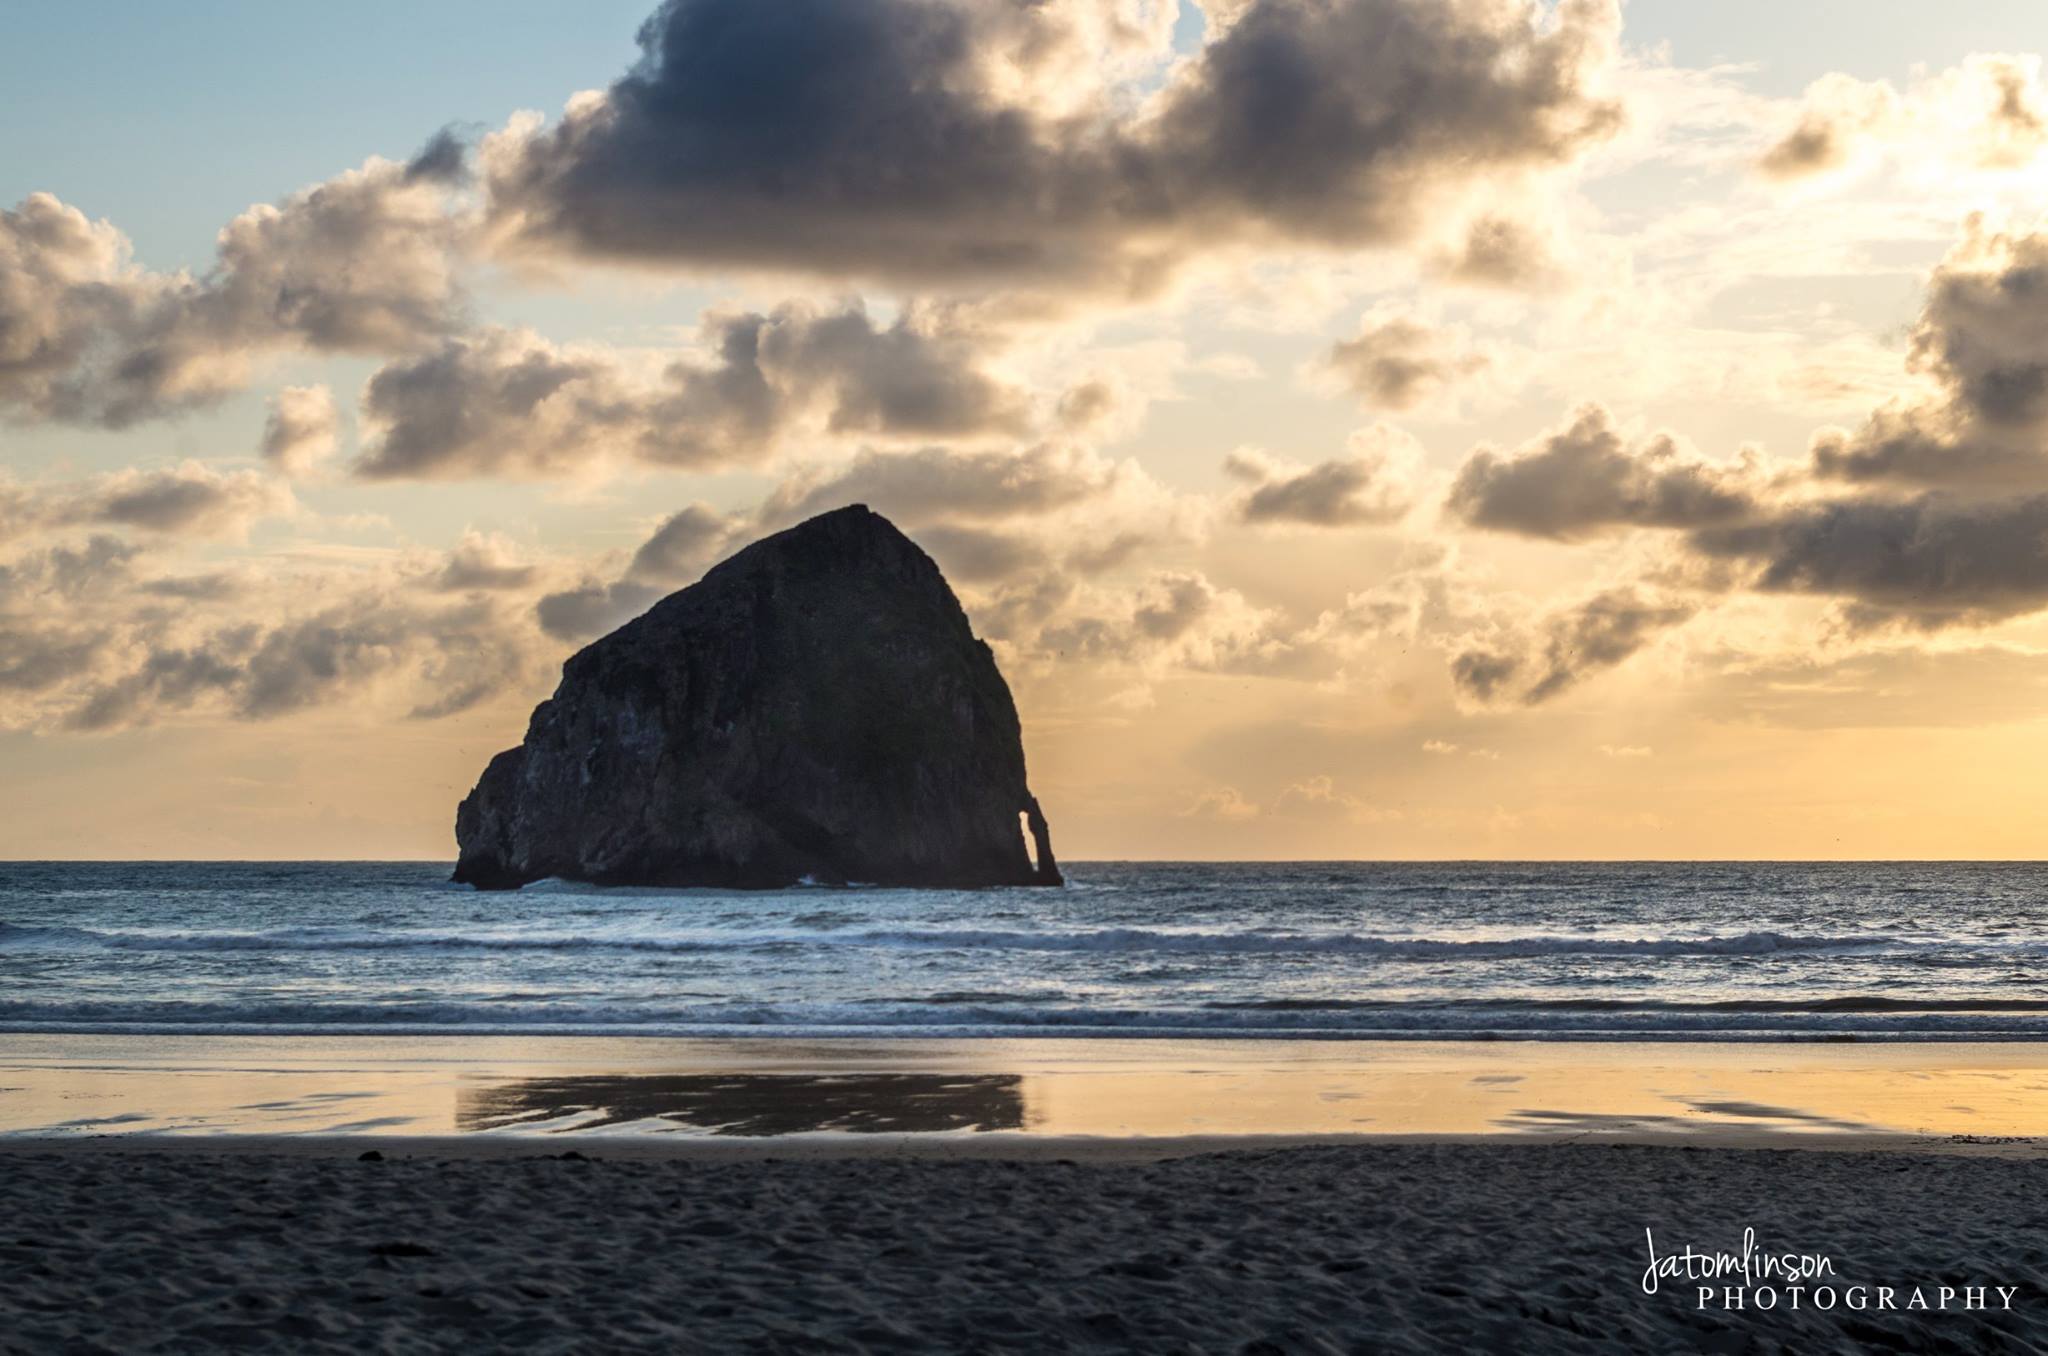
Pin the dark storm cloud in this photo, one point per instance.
(869, 138)
(1585, 480)
(498, 402)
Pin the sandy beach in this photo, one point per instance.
(1398, 1247)
(339, 1194)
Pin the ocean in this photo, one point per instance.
(1553, 951)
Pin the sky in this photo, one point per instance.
(1362, 428)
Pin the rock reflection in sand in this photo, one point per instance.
(750, 1104)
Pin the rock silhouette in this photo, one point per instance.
(815, 708)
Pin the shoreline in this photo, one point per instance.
(996, 1148)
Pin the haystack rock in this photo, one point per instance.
(814, 709)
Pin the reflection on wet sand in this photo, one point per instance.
(687, 1088)
(1709, 1119)
(750, 1104)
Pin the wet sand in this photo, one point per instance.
(686, 1090)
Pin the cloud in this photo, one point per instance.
(503, 402)
(1318, 798)
(990, 518)
(94, 637)
(189, 499)
(1836, 114)
(674, 555)
(1087, 406)
(976, 554)
(1313, 799)
(941, 482)
(1565, 648)
(683, 546)
(1371, 487)
(926, 143)
(1583, 480)
(995, 516)
(1982, 341)
(444, 159)
(1932, 515)
(1399, 363)
(481, 562)
(363, 263)
(455, 657)
(1174, 619)
(1927, 562)
(1987, 114)
(593, 609)
(1498, 252)
(300, 431)
(36, 657)
(69, 571)
(1890, 687)
(1225, 803)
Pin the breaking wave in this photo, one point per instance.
(1132, 940)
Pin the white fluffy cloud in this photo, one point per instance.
(363, 263)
